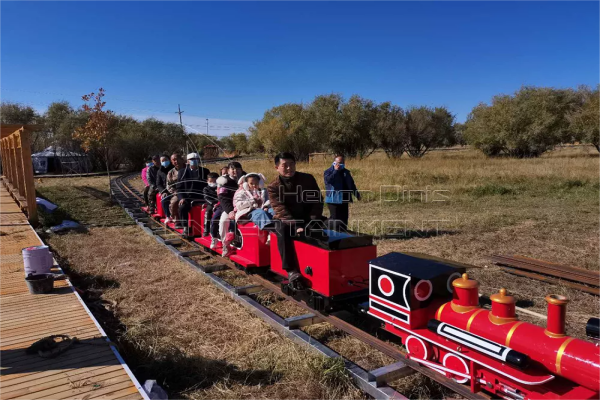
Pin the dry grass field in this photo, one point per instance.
(174, 326)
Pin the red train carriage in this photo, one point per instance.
(436, 312)
(251, 249)
(335, 272)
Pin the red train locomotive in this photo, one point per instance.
(436, 313)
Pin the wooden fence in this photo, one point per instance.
(17, 167)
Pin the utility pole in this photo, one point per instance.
(206, 126)
(179, 112)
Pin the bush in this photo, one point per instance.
(527, 124)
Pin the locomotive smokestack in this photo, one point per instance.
(466, 295)
(557, 309)
(503, 308)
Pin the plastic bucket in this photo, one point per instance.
(37, 260)
(40, 284)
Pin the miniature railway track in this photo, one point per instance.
(576, 278)
(372, 382)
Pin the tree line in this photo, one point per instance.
(126, 141)
(524, 124)
(354, 127)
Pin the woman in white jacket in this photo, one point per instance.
(251, 201)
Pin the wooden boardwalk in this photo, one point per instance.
(89, 370)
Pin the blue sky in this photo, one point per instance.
(229, 62)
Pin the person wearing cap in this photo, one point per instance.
(339, 188)
(152, 175)
(191, 182)
(226, 187)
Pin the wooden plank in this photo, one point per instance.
(60, 387)
(29, 185)
(27, 379)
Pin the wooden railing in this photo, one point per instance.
(17, 167)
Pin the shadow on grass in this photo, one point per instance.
(99, 194)
(416, 233)
(174, 370)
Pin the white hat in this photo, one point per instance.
(191, 156)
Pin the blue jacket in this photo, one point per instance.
(339, 186)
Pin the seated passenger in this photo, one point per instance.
(251, 200)
(228, 186)
(211, 199)
(298, 205)
(173, 202)
(145, 179)
(191, 182)
(151, 175)
(224, 171)
(161, 184)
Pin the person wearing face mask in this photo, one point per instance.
(227, 186)
(339, 188)
(145, 179)
(211, 199)
(191, 181)
(152, 174)
(161, 184)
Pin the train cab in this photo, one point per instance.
(403, 288)
(336, 271)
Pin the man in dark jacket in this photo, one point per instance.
(339, 188)
(227, 185)
(152, 175)
(162, 186)
(191, 182)
(297, 204)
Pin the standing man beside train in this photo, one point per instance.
(298, 207)
(339, 188)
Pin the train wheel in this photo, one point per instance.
(455, 363)
(418, 348)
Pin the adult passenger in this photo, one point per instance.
(173, 201)
(228, 185)
(145, 179)
(191, 182)
(339, 189)
(162, 185)
(298, 207)
(152, 174)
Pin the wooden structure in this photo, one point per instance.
(17, 167)
(210, 151)
(90, 369)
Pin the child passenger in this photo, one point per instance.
(210, 196)
(251, 200)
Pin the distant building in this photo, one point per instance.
(57, 160)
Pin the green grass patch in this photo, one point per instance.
(492, 189)
(83, 204)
